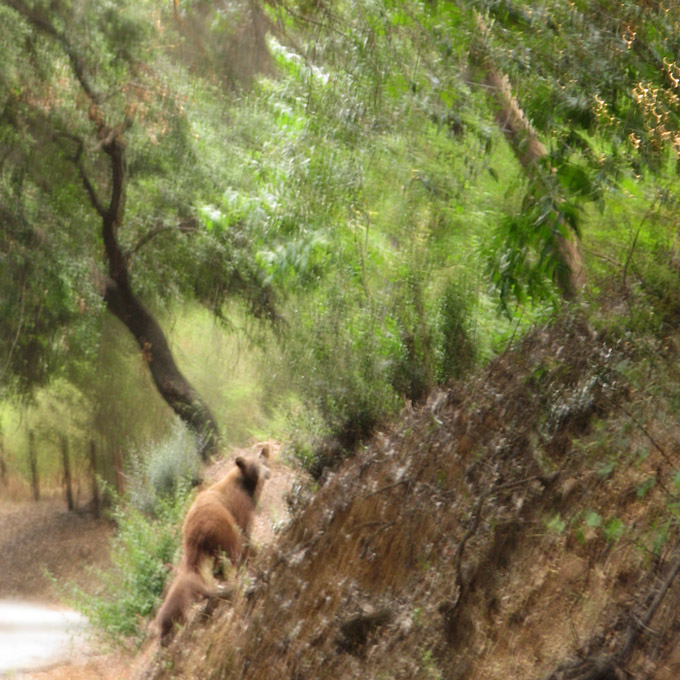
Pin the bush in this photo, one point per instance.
(157, 469)
(338, 368)
(410, 352)
(354, 360)
(456, 342)
(146, 542)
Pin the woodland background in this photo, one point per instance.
(233, 220)
(305, 214)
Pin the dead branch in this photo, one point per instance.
(373, 534)
(387, 487)
(637, 625)
(601, 666)
(645, 217)
(460, 585)
(644, 430)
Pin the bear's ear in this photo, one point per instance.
(264, 452)
(241, 462)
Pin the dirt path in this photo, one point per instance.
(39, 537)
(43, 536)
(33, 635)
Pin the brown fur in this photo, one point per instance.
(219, 519)
(217, 522)
(186, 587)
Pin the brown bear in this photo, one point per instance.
(218, 522)
(219, 519)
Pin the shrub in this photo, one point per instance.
(456, 341)
(157, 468)
(339, 368)
(353, 360)
(146, 542)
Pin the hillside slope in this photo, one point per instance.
(521, 525)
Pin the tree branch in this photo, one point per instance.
(460, 585)
(151, 234)
(644, 430)
(19, 328)
(603, 666)
(119, 296)
(46, 27)
(89, 187)
(528, 149)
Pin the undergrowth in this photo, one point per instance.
(148, 520)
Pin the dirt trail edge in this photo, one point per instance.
(43, 537)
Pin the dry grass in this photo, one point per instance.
(431, 553)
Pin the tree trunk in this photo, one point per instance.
(33, 463)
(119, 297)
(177, 391)
(4, 479)
(96, 502)
(528, 149)
(67, 473)
(118, 467)
(121, 301)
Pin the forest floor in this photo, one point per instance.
(40, 538)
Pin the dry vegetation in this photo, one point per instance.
(464, 543)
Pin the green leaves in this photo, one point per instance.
(614, 529)
(298, 261)
(556, 524)
(593, 520)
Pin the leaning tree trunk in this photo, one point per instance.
(119, 296)
(124, 304)
(526, 146)
(171, 384)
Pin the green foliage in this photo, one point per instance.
(607, 72)
(593, 520)
(458, 340)
(353, 360)
(140, 555)
(556, 524)
(146, 541)
(525, 263)
(349, 182)
(614, 529)
(51, 251)
(338, 368)
(160, 469)
(429, 666)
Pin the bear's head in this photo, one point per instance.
(254, 471)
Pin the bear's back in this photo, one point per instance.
(231, 498)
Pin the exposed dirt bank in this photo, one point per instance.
(520, 525)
